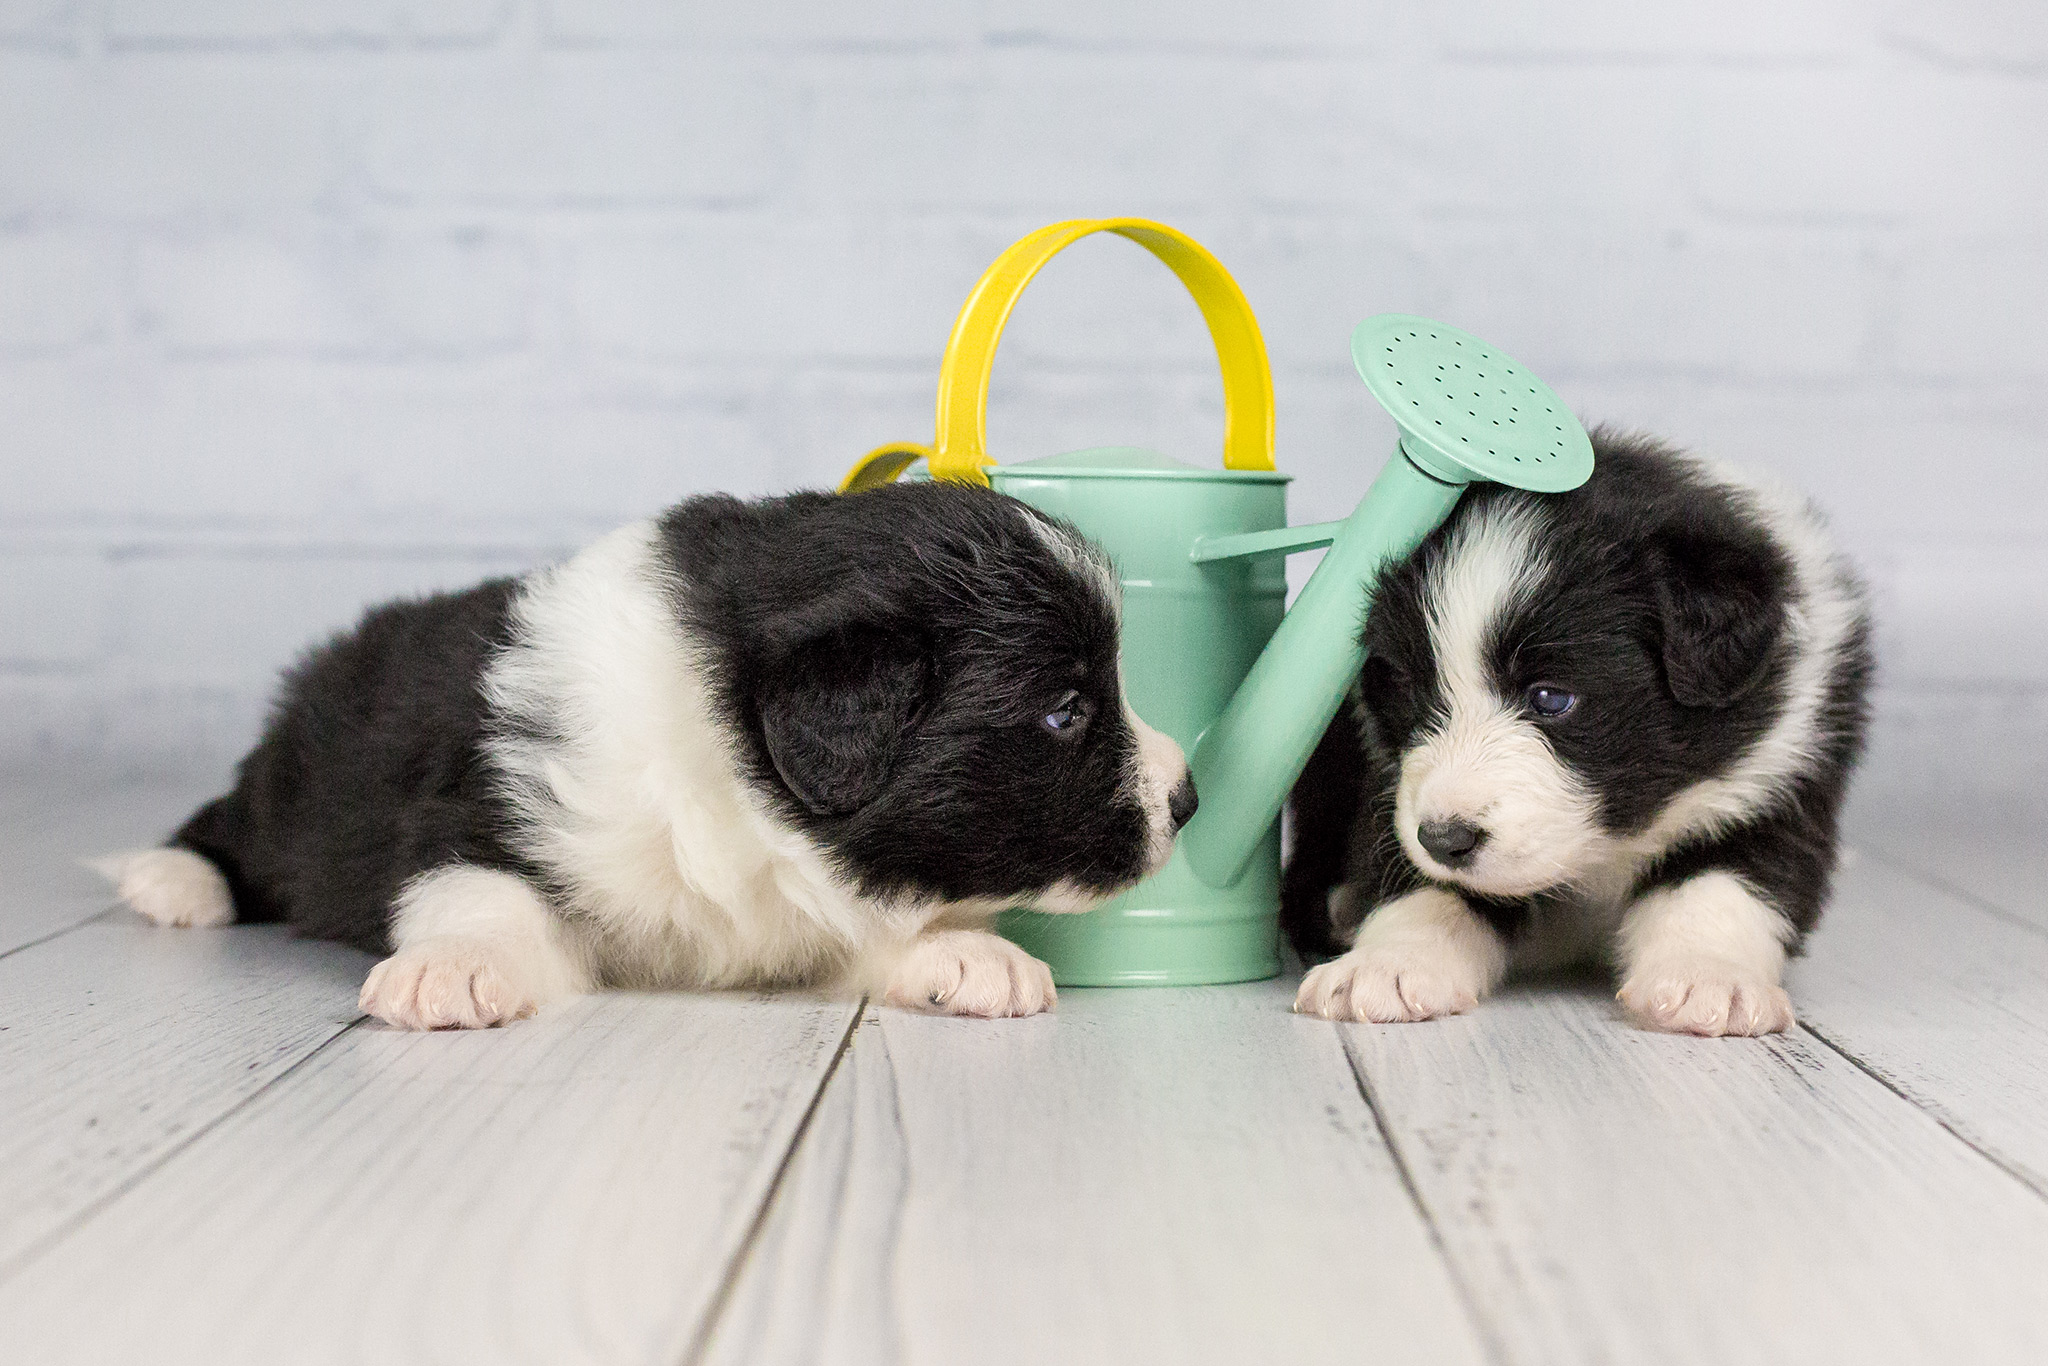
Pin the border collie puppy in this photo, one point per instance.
(1613, 723)
(804, 740)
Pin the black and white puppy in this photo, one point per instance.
(804, 740)
(1614, 723)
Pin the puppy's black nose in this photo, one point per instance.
(1451, 843)
(1182, 801)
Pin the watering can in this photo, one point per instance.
(1211, 654)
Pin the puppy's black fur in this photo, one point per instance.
(370, 772)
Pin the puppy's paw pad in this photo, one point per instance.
(1386, 988)
(971, 973)
(444, 984)
(174, 887)
(1710, 1000)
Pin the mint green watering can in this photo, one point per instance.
(1210, 654)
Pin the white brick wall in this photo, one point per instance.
(306, 303)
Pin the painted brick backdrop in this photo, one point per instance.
(305, 303)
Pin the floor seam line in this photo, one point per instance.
(1496, 1350)
(893, 1309)
(2017, 1173)
(22, 1260)
(1968, 898)
(728, 1281)
(92, 919)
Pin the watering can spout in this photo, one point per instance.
(1467, 414)
(1247, 761)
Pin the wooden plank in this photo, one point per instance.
(818, 1283)
(1615, 1195)
(570, 1189)
(119, 1042)
(1146, 1175)
(1944, 1001)
(1996, 863)
(48, 825)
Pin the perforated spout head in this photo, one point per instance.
(1467, 412)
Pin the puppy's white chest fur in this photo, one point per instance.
(626, 790)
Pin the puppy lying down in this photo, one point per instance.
(1613, 724)
(804, 740)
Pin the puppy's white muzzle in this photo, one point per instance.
(1485, 803)
(1165, 788)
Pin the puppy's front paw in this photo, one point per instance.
(970, 972)
(446, 983)
(1387, 985)
(1418, 957)
(1707, 998)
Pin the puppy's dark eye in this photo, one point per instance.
(1545, 700)
(1069, 714)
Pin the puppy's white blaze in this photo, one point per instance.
(1485, 763)
(174, 887)
(1821, 613)
(1490, 564)
(1080, 557)
(1159, 767)
(1705, 957)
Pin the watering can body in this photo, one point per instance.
(1191, 632)
(1211, 653)
(1213, 657)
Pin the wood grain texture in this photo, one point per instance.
(1146, 1175)
(1618, 1196)
(569, 1189)
(1946, 1002)
(818, 1284)
(47, 827)
(120, 1041)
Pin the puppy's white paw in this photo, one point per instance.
(447, 983)
(1386, 986)
(1418, 957)
(170, 886)
(1705, 957)
(970, 972)
(1705, 997)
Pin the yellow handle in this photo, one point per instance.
(960, 450)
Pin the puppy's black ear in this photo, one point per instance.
(1720, 599)
(834, 710)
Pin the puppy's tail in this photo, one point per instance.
(170, 886)
(1324, 807)
(194, 881)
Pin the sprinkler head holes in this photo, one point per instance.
(1466, 411)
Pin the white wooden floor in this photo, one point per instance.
(205, 1156)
